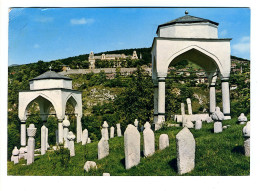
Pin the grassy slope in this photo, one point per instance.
(216, 154)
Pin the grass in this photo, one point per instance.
(216, 154)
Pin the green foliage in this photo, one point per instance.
(64, 156)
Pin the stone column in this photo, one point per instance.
(60, 131)
(155, 113)
(212, 99)
(182, 109)
(23, 133)
(79, 129)
(225, 97)
(189, 106)
(161, 100)
(47, 135)
(31, 132)
(43, 140)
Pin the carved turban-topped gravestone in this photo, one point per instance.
(118, 130)
(132, 146)
(217, 116)
(104, 131)
(15, 155)
(246, 134)
(65, 125)
(112, 132)
(90, 165)
(149, 142)
(198, 124)
(242, 119)
(185, 151)
(31, 132)
(103, 148)
(43, 140)
(71, 138)
(84, 137)
(163, 141)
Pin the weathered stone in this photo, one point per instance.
(90, 165)
(104, 131)
(209, 120)
(189, 106)
(106, 174)
(149, 142)
(163, 141)
(182, 109)
(43, 140)
(84, 137)
(112, 132)
(89, 140)
(132, 146)
(224, 127)
(65, 134)
(217, 115)
(185, 151)
(118, 130)
(247, 147)
(246, 134)
(188, 124)
(103, 148)
(198, 125)
(218, 127)
(136, 123)
(71, 138)
(47, 138)
(15, 157)
(25, 152)
(242, 119)
(21, 153)
(31, 132)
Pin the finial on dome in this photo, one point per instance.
(50, 67)
(186, 12)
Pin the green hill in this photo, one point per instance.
(216, 154)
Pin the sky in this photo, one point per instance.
(55, 33)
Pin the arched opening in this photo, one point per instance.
(70, 111)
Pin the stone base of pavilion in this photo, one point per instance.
(193, 118)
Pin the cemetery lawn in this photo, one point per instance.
(216, 154)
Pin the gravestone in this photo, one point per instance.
(25, 152)
(47, 137)
(84, 137)
(132, 146)
(31, 132)
(22, 153)
(189, 106)
(136, 123)
(149, 142)
(182, 109)
(71, 138)
(188, 123)
(246, 134)
(209, 119)
(242, 119)
(217, 116)
(89, 140)
(185, 151)
(104, 131)
(198, 125)
(90, 165)
(43, 140)
(118, 130)
(163, 141)
(66, 141)
(103, 148)
(15, 155)
(106, 174)
(112, 132)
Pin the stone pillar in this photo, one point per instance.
(155, 113)
(23, 133)
(182, 109)
(161, 100)
(60, 131)
(47, 135)
(189, 106)
(79, 129)
(212, 99)
(43, 140)
(226, 98)
(31, 132)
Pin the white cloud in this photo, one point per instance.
(223, 33)
(36, 46)
(243, 45)
(44, 19)
(81, 21)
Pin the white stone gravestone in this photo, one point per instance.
(90, 165)
(71, 138)
(43, 140)
(246, 134)
(31, 132)
(242, 119)
(103, 148)
(198, 124)
(89, 140)
(84, 137)
(15, 157)
(118, 130)
(217, 116)
(189, 106)
(163, 141)
(104, 131)
(112, 132)
(182, 109)
(149, 142)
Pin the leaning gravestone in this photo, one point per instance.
(118, 130)
(149, 144)
(163, 141)
(43, 140)
(132, 146)
(31, 132)
(185, 151)
(104, 131)
(84, 137)
(90, 165)
(246, 134)
(103, 148)
(242, 119)
(198, 124)
(71, 138)
(15, 156)
(217, 116)
(112, 132)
